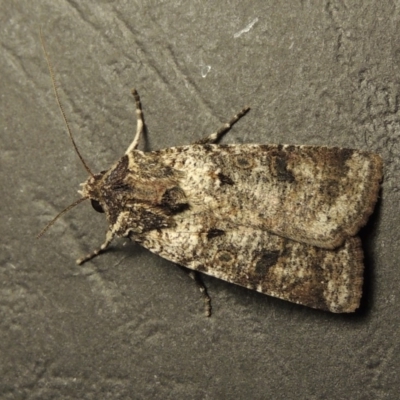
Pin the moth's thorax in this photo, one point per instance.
(138, 189)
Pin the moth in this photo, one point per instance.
(279, 219)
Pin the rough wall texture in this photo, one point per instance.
(130, 324)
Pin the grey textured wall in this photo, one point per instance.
(130, 324)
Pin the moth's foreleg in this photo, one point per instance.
(109, 238)
(139, 122)
(214, 137)
(203, 290)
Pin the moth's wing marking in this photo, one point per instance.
(314, 195)
(300, 273)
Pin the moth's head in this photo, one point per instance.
(91, 189)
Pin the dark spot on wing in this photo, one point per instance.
(213, 233)
(266, 260)
(225, 180)
(243, 162)
(225, 257)
(174, 200)
(149, 221)
(282, 173)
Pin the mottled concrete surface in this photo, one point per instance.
(130, 324)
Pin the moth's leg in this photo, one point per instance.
(139, 122)
(203, 290)
(214, 137)
(109, 237)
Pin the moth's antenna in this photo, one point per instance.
(53, 81)
(75, 203)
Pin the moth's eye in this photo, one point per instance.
(97, 206)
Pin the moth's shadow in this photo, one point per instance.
(127, 248)
(124, 249)
(368, 236)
